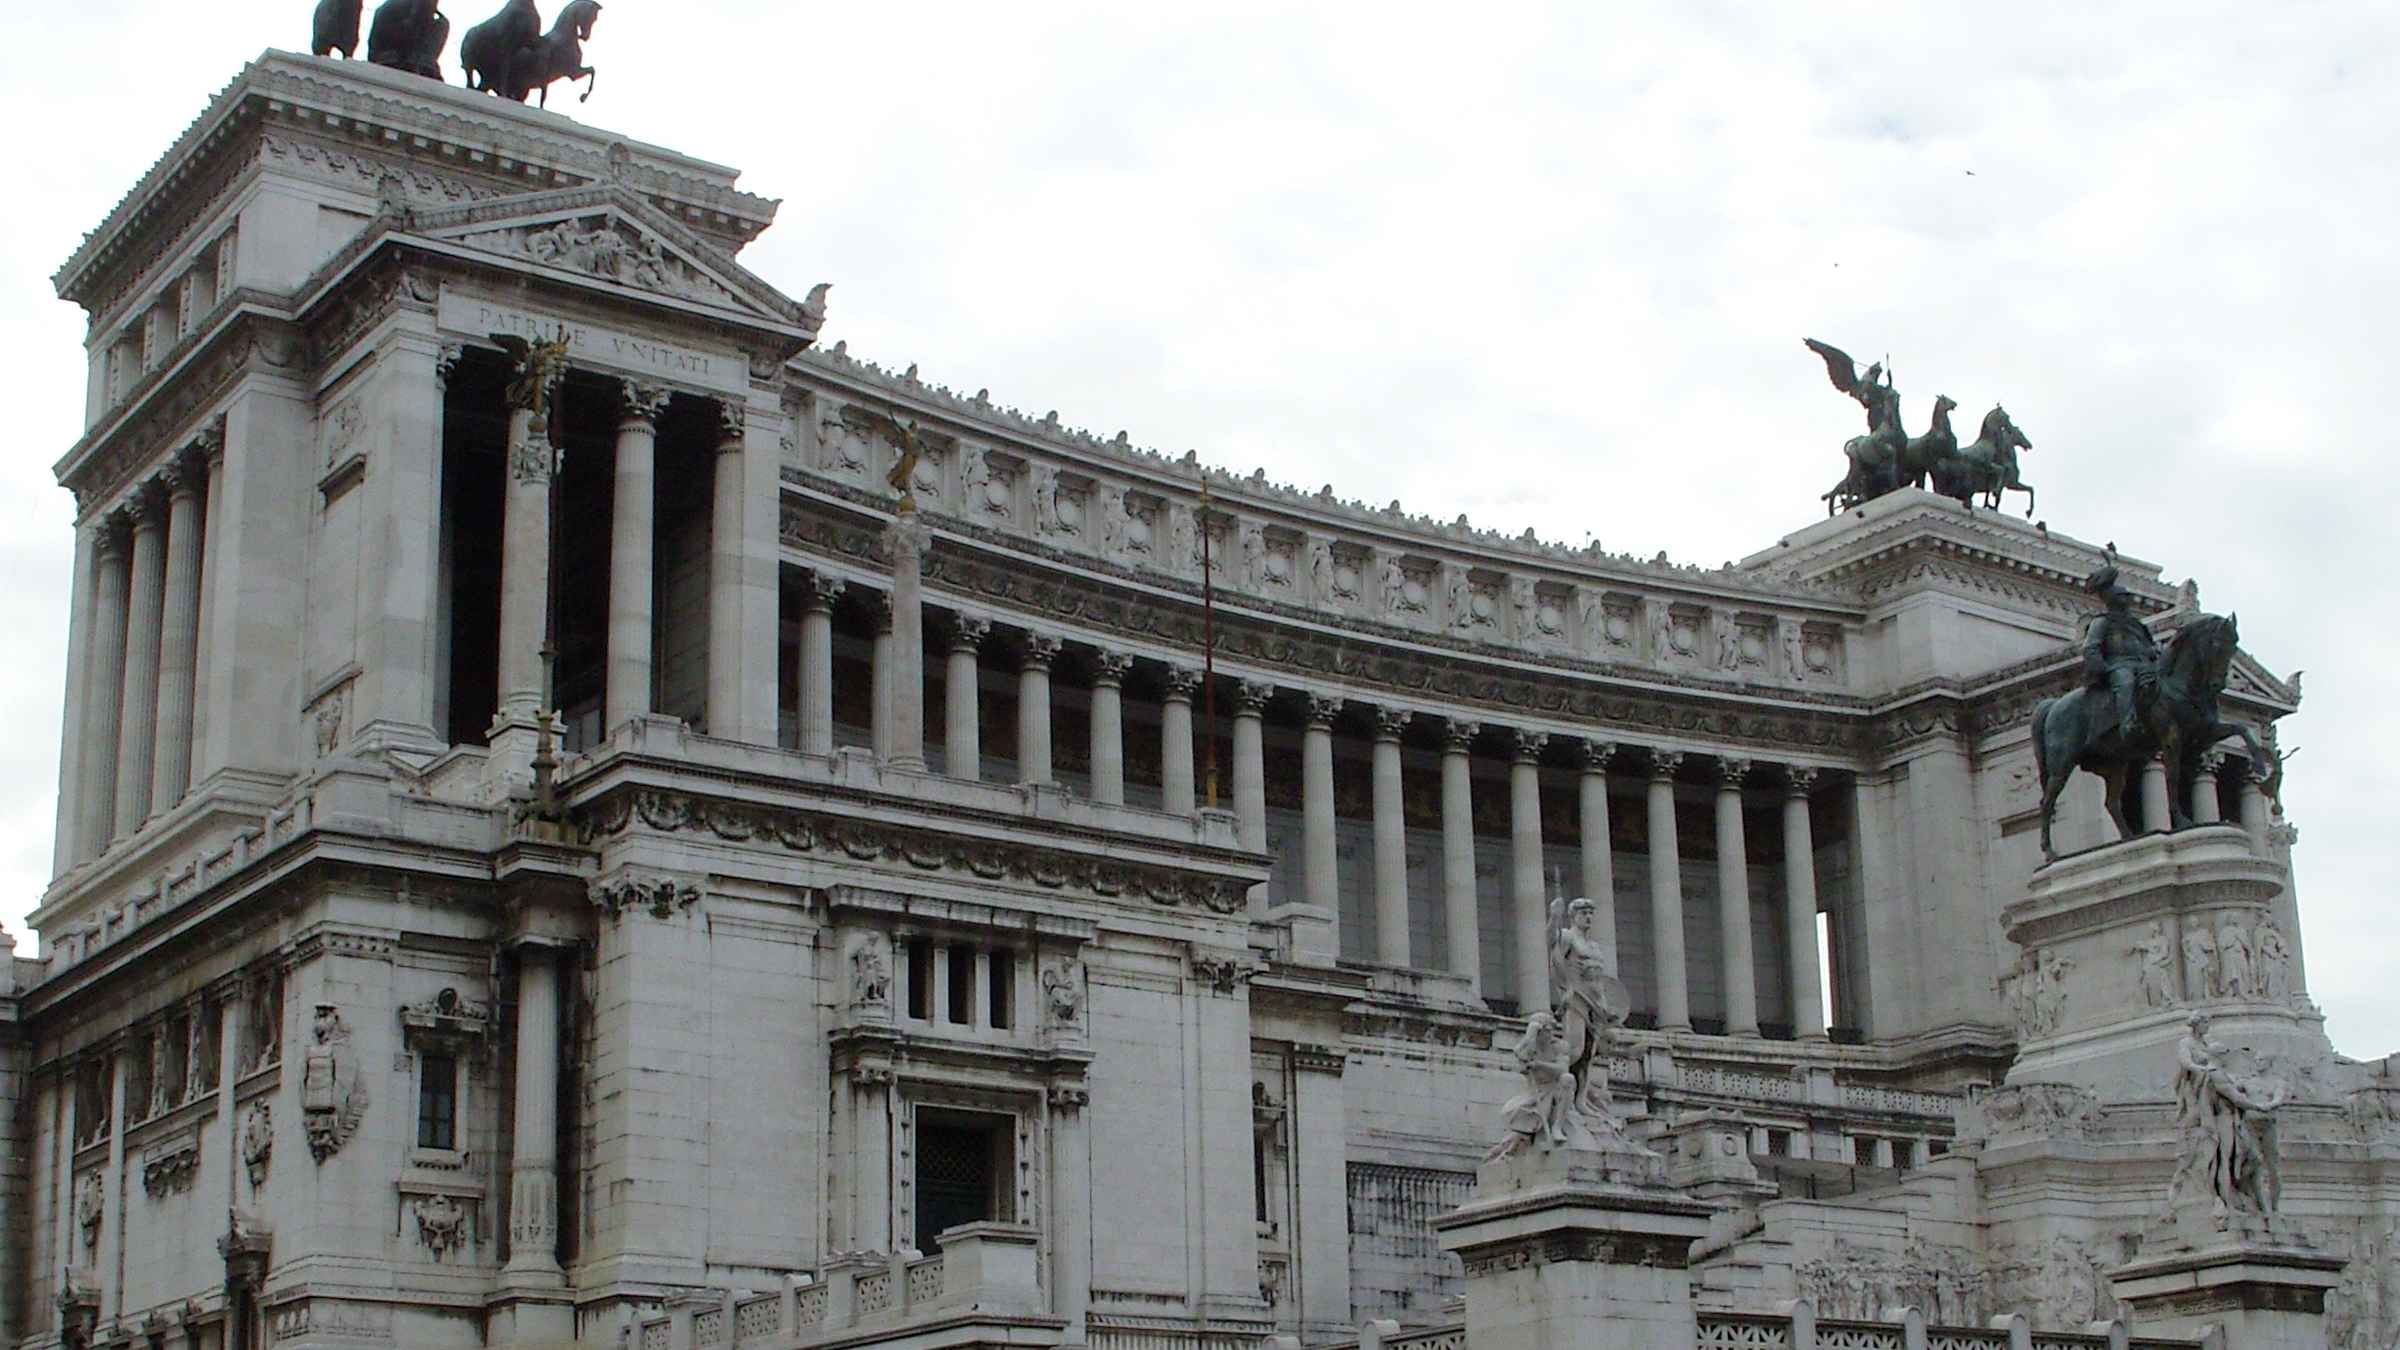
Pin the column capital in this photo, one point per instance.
(1321, 709)
(445, 360)
(1527, 745)
(819, 590)
(1731, 770)
(1109, 668)
(1182, 683)
(641, 402)
(1250, 697)
(2213, 761)
(1597, 754)
(1798, 780)
(967, 631)
(1039, 651)
(108, 535)
(1663, 764)
(178, 477)
(878, 605)
(732, 420)
(1389, 722)
(1458, 734)
(209, 442)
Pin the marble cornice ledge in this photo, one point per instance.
(1376, 663)
(247, 331)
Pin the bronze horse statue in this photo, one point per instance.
(1938, 444)
(336, 28)
(509, 55)
(409, 35)
(1988, 466)
(2176, 717)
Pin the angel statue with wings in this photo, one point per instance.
(1875, 458)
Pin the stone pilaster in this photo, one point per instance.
(105, 676)
(1033, 707)
(1800, 906)
(1391, 841)
(1175, 741)
(179, 639)
(962, 721)
(631, 571)
(1071, 1206)
(1666, 895)
(818, 591)
(1108, 726)
(1528, 903)
(533, 1159)
(145, 595)
(1735, 952)
(1599, 864)
(1458, 851)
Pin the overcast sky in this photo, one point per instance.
(1548, 266)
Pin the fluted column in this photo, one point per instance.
(1391, 842)
(818, 591)
(2205, 810)
(1108, 727)
(1599, 867)
(909, 537)
(137, 740)
(533, 1160)
(1800, 906)
(1175, 741)
(1458, 852)
(1033, 708)
(1250, 773)
(2156, 817)
(1527, 901)
(524, 555)
(179, 635)
(725, 575)
(106, 675)
(962, 707)
(210, 451)
(1735, 950)
(1666, 895)
(879, 674)
(630, 567)
(1320, 865)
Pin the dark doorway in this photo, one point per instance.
(962, 1166)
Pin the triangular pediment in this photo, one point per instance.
(2247, 678)
(606, 235)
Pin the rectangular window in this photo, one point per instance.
(1779, 1143)
(919, 967)
(437, 1102)
(961, 1011)
(1003, 986)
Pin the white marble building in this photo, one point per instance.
(929, 952)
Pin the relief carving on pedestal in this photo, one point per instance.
(333, 1093)
(2059, 1284)
(258, 1141)
(2199, 962)
(2234, 972)
(2036, 991)
(2154, 958)
(1861, 1284)
(441, 1223)
(2274, 962)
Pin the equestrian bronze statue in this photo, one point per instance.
(2139, 700)
(1887, 458)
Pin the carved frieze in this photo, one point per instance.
(610, 249)
(170, 1164)
(659, 896)
(1859, 1283)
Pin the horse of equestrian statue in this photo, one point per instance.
(509, 55)
(336, 28)
(2175, 715)
(409, 35)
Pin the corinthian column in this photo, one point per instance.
(1599, 868)
(1108, 727)
(525, 551)
(1529, 903)
(1175, 741)
(909, 537)
(1666, 895)
(962, 705)
(138, 738)
(1458, 852)
(879, 674)
(106, 672)
(1320, 865)
(725, 575)
(533, 1161)
(1800, 905)
(1391, 842)
(1739, 973)
(818, 591)
(630, 568)
(1033, 708)
(179, 639)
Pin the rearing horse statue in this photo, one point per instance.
(509, 55)
(2176, 716)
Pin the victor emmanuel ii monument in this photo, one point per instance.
(590, 818)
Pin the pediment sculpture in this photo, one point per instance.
(608, 248)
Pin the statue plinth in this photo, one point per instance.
(2262, 1293)
(2120, 944)
(1577, 1247)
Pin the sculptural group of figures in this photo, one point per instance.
(508, 54)
(1888, 458)
(2225, 1102)
(1565, 1049)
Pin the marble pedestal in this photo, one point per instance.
(2097, 1010)
(1577, 1249)
(2263, 1295)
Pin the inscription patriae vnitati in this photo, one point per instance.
(475, 315)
